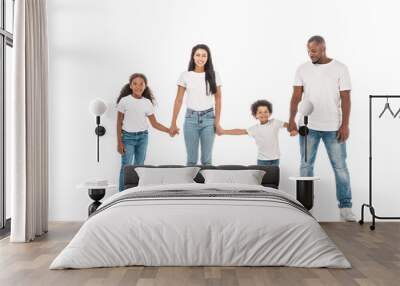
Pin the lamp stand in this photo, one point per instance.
(303, 130)
(100, 131)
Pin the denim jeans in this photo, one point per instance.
(135, 151)
(337, 156)
(199, 128)
(268, 162)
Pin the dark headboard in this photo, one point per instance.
(270, 179)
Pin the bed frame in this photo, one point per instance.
(270, 179)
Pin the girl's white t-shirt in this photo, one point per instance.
(135, 113)
(267, 139)
(196, 92)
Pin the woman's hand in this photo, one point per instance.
(121, 148)
(219, 130)
(173, 130)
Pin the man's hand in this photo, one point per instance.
(343, 133)
(292, 127)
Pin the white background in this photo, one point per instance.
(256, 46)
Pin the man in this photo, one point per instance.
(325, 82)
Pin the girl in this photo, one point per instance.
(135, 106)
(202, 86)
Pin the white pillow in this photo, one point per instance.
(166, 176)
(248, 177)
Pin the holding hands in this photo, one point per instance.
(292, 128)
(173, 130)
(219, 130)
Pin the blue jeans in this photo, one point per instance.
(268, 162)
(199, 128)
(135, 151)
(337, 156)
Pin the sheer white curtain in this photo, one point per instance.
(29, 131)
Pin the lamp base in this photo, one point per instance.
(100, 130)
(303, 130)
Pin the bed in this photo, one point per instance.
(201, 224)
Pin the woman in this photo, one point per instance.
(202, 86)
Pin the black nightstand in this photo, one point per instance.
(96, 193)
(305, 190)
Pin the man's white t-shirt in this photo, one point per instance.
(267, 139)
(322, 84)
(196, 92)
(135, 113)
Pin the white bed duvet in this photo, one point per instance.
(201, 224)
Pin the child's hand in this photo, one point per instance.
(293, 133)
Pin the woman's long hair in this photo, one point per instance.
(211, 84)
(126, 89)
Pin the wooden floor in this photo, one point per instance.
(374, 255)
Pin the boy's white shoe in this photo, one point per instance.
(346, 214)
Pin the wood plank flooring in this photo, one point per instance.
(375, 257)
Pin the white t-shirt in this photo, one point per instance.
(321, 84)
(196, 93)
(267, 139)
(135, 113)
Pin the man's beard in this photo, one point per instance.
(316, 62)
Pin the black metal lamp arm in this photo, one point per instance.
(100, 131)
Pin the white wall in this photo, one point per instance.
(257, 45)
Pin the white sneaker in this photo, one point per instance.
(346, 214)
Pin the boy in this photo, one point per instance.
(265, 133)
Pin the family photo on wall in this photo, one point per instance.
(323, 81)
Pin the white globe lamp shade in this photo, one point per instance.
(97, 107)
(306, 107)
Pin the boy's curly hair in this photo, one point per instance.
(258, 103)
